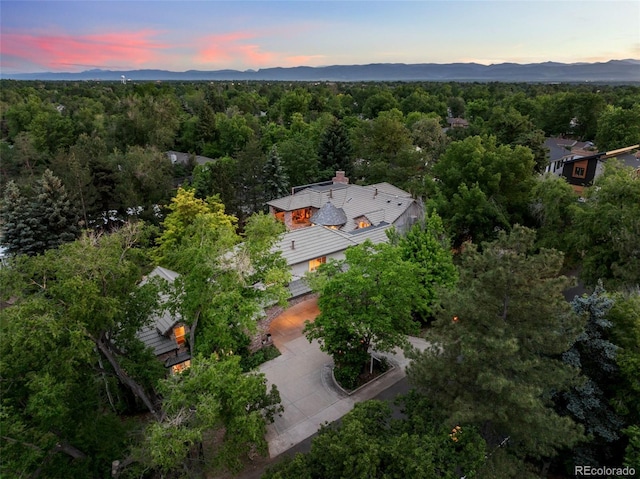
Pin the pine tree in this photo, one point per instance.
(52, 208)
(589, 402)
(46, 220)
(493, 362)
(335, 150)
(275, 178)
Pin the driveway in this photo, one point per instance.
(302, 374)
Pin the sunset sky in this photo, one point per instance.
(72, 36)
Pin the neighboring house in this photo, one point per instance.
(580, 166)
(324, 219)
(166, 335)
(177, 157)
(457, 122)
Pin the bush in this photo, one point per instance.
(260, 356)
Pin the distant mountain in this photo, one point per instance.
(614, 71)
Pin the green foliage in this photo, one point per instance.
(492, 362)
(334, 152)
(618, 127)
(63, 350)
(589, 403)
(370, 444)
(606, 229)
(481, 187)
(276, 182)
(365, 304)
(428, 247)
(212, 395)
(553, 202)
(39, 223)
(261, 356)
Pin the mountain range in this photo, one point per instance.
(614, 71)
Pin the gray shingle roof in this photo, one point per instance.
(316, 241)
(329, 215)
(388, 201)
(155, 334)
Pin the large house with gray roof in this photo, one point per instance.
(324, 219)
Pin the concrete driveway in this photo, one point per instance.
(302, 374)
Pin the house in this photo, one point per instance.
(581, 166)
(166, 335)
(178, 157)
(324, 219)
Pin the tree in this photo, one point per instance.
(481, 187)
(44, 221)
(276, 181)
(552, 205)
(213, 400)
(427, 246)
(334, 152)
(70, 359)
(492, 360)
(618, 127)
(300, 159)
(368, 443)
(188, 217)
(365, 304)
(589, 403)
(606, 228)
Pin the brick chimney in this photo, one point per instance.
(340, 178)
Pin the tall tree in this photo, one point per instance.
(589, 403)
(276, 180)
(41, 222)
(365, 304)
(70, 358)
(492, 362)
(335, 151)
(481, 187)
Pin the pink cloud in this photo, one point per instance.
(230, 47)
(57, 51)
(309, 60)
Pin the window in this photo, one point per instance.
(301, 216)
(315, 263)
(179, 333)
(280, 216)
(580, 170)
(178, 368)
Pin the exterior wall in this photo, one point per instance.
(591, 166)
(407, 219)
(300, 269)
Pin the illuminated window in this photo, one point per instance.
(315, 263)
(301, 216)
(178, 368)
(179, 333)
(280, 216)
(580, 170)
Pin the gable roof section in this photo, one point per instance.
(316, 241)
(154, 335)
(388, 201)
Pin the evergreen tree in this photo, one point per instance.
(44, 221)
(588, 403)
(335, 151)
(53, 210)
(275, 178)
(493, 362)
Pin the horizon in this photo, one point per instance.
(72, 37)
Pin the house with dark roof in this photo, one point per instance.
(324, 219)
(166, 334)
(582, 163)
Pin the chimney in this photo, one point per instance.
(293, 244)
(340, 178)
(331, 193)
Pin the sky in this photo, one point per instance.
(72, 36)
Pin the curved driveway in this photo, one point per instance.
(302, 374)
